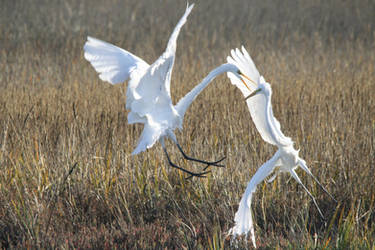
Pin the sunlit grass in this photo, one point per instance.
(67, 177)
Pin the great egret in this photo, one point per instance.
(148, 95)
(258, 98)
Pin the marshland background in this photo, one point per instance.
(56, 116)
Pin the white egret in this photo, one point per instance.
(148, 95)
(258, 98)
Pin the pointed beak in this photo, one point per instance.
(245, 83)
(248, 78)
(253, 94)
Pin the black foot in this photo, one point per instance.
(199, 175)
(215, 163)
(191, 174)
(207, 163)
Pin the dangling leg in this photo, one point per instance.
(208, 163)
(295, 176)
(307, 170)
(192, 174)
(325, 190)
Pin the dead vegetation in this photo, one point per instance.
(57, 116)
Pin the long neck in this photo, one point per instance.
(185, 102)
(269, 115)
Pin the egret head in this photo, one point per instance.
(230, 67)
(240, 75)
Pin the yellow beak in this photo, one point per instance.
(248, 78)
(244, 82)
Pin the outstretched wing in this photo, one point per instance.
(149, 98)
(243, 218)
(159, 73)
(169, 54)
(270, 129)
(247, 67)
(152, 91)
(114, 65)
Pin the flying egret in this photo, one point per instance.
(258, 94)
(148, 95)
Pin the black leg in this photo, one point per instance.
(214, 163)
(325, 190)
(192, 174)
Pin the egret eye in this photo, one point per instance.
(239, 72)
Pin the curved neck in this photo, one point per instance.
(186, 101)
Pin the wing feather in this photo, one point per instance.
(154, 86)
(243, 218)
(148, 94)
(114, 65)
(246, 65)
(269, 131)
(163, 66)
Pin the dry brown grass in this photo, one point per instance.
(55, 112)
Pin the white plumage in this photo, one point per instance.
(148, 97)
(258, 93)
(260, 108)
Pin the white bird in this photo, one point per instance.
(148, 95)
(258, 98)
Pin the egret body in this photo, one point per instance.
(148, 96)
(258, 95)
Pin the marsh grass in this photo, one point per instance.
(55, 113)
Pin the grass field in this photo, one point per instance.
(56, 116)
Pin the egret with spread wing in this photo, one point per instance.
(148, 95)
(258, 94)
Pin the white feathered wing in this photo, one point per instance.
(114, 65)
(243, 218)
(269, 131)
(148, 93)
